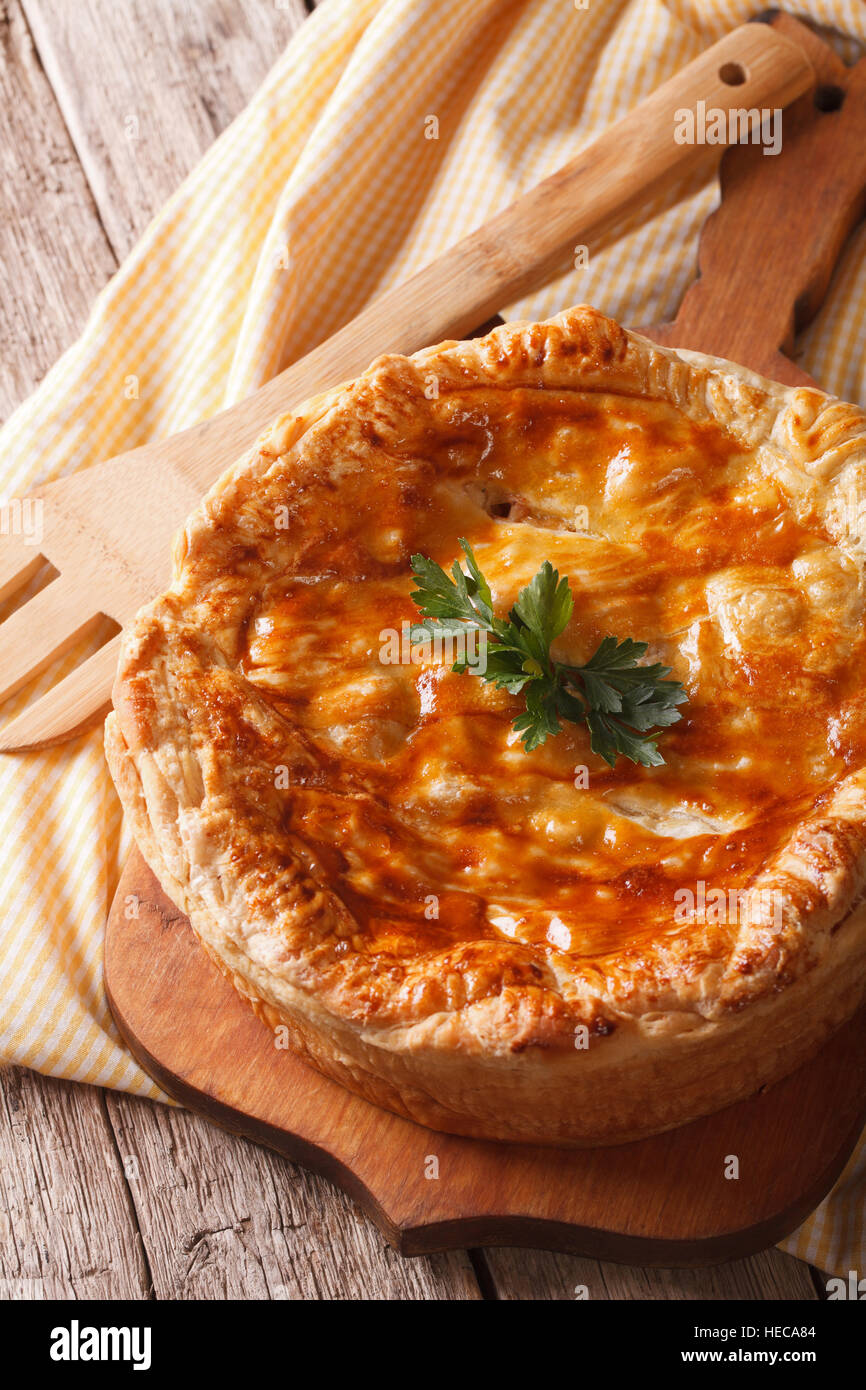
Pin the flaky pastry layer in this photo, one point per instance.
(488, 941)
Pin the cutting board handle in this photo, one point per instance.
(767, 254)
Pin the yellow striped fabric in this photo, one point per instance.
(324, 192)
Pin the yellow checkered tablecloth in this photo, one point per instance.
(322, 194)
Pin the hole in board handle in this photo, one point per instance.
(733, 74)
(829, 97)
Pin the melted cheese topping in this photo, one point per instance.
(425, 812)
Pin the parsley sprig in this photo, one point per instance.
(618, 699)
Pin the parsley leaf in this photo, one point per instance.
(540, 719)
(544, 606)
(617, 698)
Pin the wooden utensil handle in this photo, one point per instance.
(752, 67)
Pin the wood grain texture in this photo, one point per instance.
(222, 1218)
(53, 251)
(86, 527)
(145, 86)
(663, 1201)
(201, 1214)
(56, 256)
(768, 252)
(535, 1274)
(67, 1228)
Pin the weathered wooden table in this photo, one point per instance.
(104, 1195)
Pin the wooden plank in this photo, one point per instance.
(67, 1228)
(223, 1218)
(220, 1217)
(145, 86)
(56, 255)
(535, 1274)
(821, 1279)
(53, 250)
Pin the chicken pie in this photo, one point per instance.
(510, 944)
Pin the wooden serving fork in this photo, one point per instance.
(86, 518)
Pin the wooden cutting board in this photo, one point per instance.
(665, 1200)
(766, 257)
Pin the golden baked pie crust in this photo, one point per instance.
(452, 927)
